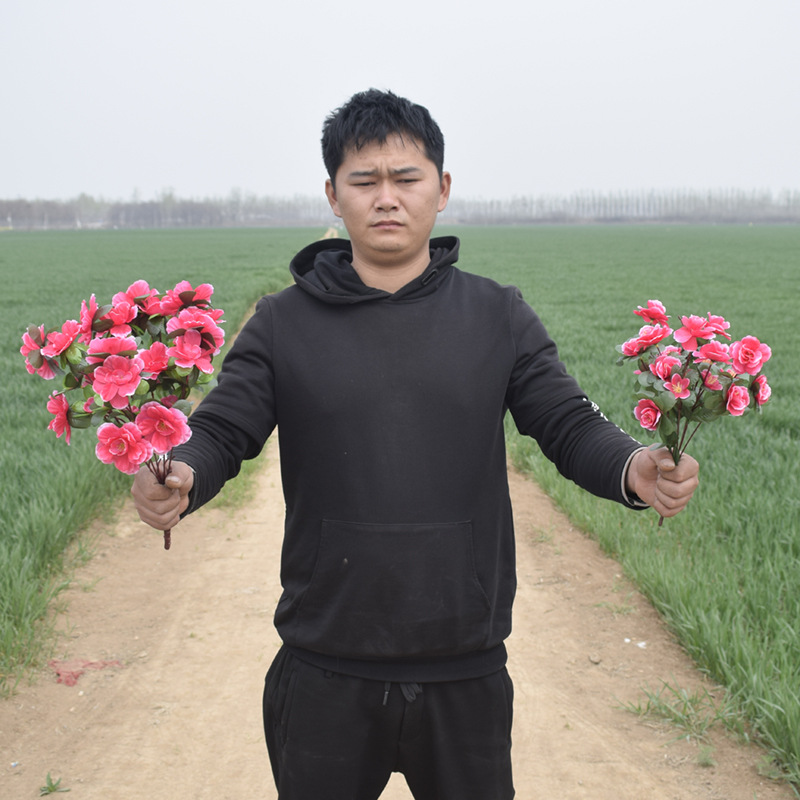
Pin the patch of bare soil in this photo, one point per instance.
(168, 653)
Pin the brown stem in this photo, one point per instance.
(160, 470)
(683, 449)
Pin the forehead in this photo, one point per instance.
(396, 150)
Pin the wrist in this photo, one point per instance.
(629, 473)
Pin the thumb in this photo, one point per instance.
(174, 481)
(180, 477)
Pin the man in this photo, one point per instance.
(388, 373)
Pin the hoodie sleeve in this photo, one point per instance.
(549, 405)
(234, 420)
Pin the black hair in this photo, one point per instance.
(372, 117)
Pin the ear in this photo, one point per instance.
(444, 190)
(330, 193)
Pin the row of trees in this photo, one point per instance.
(240, 210)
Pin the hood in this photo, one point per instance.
(325, 270)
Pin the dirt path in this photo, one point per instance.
(192, 631)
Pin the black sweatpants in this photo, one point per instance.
(336, 737)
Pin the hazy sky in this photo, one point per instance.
(201, 97)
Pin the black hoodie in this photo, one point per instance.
(398, 556)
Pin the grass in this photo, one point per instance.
(51, 787)
(49, 492)
(694, 713)
(724, 573)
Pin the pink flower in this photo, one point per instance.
(632, 347)
(648, 414)
(88, 315)
(653, 334)
(156, 359)
(711, 381)
(101, 348)
(60, 341)
(749, 355)
(32, 342)
(678, 386)
(183, 296)
(737, 400)
(648, 336)
(188, 351)
(663, 365)
(117, 378)
(163, 427)
(694, 328)
(718, 325)
(202, 321)
(654, 313)
(713, 351)
(121, 313)
(59, 406)
(140, 294)
(763, 391)
(122, 446)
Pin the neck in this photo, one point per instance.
(390, 277)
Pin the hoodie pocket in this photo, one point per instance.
(382, 591)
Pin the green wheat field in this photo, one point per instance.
(725, 574)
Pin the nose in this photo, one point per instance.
(386, 197)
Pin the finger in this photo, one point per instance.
(160, 509)
(673, 496)
(686, 466)
(146, 486)
(669, 506)
(160, 520)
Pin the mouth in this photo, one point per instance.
(387, 224)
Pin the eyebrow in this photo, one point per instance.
(369, 173)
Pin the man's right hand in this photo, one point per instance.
(160, 506)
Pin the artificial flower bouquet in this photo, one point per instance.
(693, 379)
(128, 369)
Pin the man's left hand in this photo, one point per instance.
(655, 478)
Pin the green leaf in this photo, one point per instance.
(74, 354)
(184, 406)
(647, 379)
(714, 401)
(80, 421)
(205, 379)
(666, 401)
(156, 327)
(703, 414)
(36, 335)
(668, 430)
